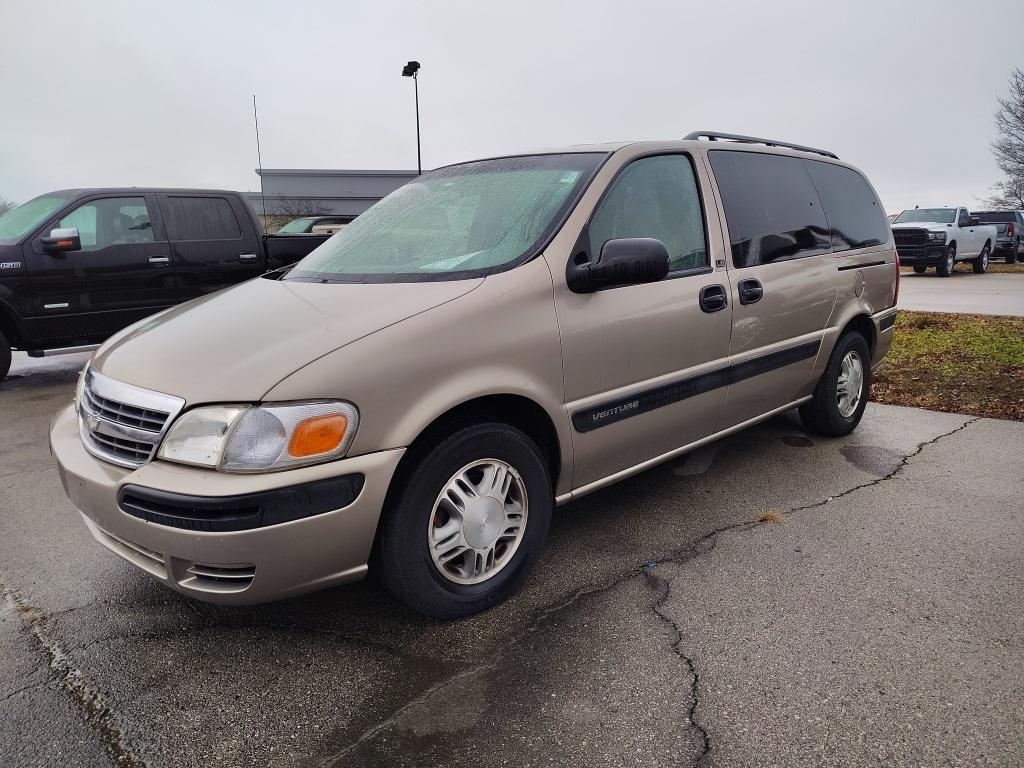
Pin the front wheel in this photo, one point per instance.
(839, 400)
(980, 264)
(5, 356)
(919, 269)
(946, 266)
(466, 521)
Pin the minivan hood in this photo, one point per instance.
(236, 344)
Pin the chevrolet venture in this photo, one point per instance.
(491, 340)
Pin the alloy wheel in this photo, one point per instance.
(850, 384)
(477, 522)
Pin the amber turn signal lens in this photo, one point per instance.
(319, 434)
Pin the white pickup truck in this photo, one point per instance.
(940, 237)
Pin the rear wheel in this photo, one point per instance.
(946, 266)
(920, 269)
(5, 356)
(466, 522)
(839, 400)
(980, 264)
(1011, 257)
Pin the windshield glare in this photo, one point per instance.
(461, 221)
(936, 215)
(19, 221)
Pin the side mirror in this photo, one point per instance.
(975, 221)
(625, 261)
(62, 240)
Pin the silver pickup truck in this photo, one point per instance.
(940, 237)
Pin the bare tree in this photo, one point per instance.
(298, 207)
(5, 205)
(1008, 147)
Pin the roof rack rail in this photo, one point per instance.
(715, 136)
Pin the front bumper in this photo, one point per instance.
(927, 255)
(254, 565)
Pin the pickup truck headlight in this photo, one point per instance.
(937, 237)
(264, 438)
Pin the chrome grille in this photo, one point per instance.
(122, 423)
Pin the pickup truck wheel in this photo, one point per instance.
(920, 269)
(839, 400)
(945, 268)
(1011, 257)
(5, 356)
(466, 522)
(980, 264)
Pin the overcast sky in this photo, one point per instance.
(143, 93)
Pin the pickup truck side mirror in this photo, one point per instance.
(975, 221)
(62, 240)
(624, 261)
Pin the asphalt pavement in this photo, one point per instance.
(881, 622)
(993, 293)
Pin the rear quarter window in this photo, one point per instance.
(854, 214)
(200, 218)
(771, 207)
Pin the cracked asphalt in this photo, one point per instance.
(881, 622)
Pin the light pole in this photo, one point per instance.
(410, 70)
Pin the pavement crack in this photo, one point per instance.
(889, 475)
(92, 705)
(661, 588)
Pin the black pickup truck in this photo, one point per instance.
(79, 265)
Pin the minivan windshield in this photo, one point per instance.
(933, 215)
(22, 219)
(297, 226)
(456, 222)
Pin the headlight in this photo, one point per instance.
(242, 438)
(937, 237)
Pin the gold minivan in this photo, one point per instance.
(491, 340)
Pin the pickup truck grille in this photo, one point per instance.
(121, 423)
(910, 237)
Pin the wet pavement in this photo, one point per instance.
(880, 622)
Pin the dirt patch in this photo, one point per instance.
(970, 364)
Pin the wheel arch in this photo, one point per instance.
(9, 327)
(515, 410)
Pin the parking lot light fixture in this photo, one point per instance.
(412, 69)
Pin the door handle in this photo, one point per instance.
(713, 298)
(750, 291)
(247, 257)
(159, 260)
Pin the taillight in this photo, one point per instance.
(896, 293)
(1010, 229)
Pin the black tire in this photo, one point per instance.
(948, 264)
(5, 356)
(920, 269)
(980, 264)
(403, 560)
(1011, 257)
(821, 413)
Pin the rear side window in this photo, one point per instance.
(654, 197)
(771, 207)
(854, 214)
(200, 218)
